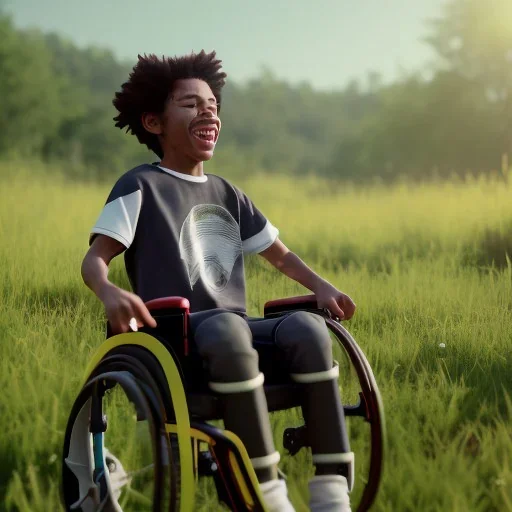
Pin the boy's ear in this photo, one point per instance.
(151, 123)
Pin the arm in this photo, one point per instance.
(292, 266)
(96, 262)
(120, 305)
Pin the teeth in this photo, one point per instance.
(205, 133)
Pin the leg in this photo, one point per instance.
(224, 342)
(306, 345)
(305, 340)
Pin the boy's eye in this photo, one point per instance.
(214, 107)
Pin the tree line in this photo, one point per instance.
(56, 105)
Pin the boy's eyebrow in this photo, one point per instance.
(195, 97)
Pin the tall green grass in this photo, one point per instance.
(426, 265)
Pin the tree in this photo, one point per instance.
(31, 110)
(474, 39)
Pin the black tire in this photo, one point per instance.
(142, 391)
(371, 409)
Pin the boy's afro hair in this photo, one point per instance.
(151, 83)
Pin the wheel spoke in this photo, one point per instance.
(139, 471)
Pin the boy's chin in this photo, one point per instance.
(204, 156)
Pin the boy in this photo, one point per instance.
(184, 233)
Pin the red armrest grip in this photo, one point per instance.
(168, 303)
(290, 303)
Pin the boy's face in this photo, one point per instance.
(189, 125)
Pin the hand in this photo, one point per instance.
(121, 306)
(338, 303)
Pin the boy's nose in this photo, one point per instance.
(205, 111)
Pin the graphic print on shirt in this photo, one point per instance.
(209, 245)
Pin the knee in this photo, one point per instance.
(305, 339)
(225, 343)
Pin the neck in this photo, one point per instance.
(182, 164)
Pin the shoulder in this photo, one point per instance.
(223, 182)
(140, 174)
(219, 180)
(135, 179)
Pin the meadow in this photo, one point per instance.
(427, 266)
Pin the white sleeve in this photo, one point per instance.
(119, 218)
(262, 240)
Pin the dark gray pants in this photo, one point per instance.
(238, 351)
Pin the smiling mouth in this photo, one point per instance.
(205, 135)
(207, 132)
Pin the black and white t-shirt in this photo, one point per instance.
(185, 235)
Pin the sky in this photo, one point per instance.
(326, 43)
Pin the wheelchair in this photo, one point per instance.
(164, 425)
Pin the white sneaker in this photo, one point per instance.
(275, 496)
(329, 493)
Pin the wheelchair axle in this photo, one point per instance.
(206, 466)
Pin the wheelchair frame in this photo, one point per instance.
(148, 369)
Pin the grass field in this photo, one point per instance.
(426, 265)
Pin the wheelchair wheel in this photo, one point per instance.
(117, 455)
(369, 407)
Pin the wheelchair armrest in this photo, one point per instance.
(168, 303)
(164, 309)
(276, 306)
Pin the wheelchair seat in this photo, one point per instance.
(203, 403)
(205, 406)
